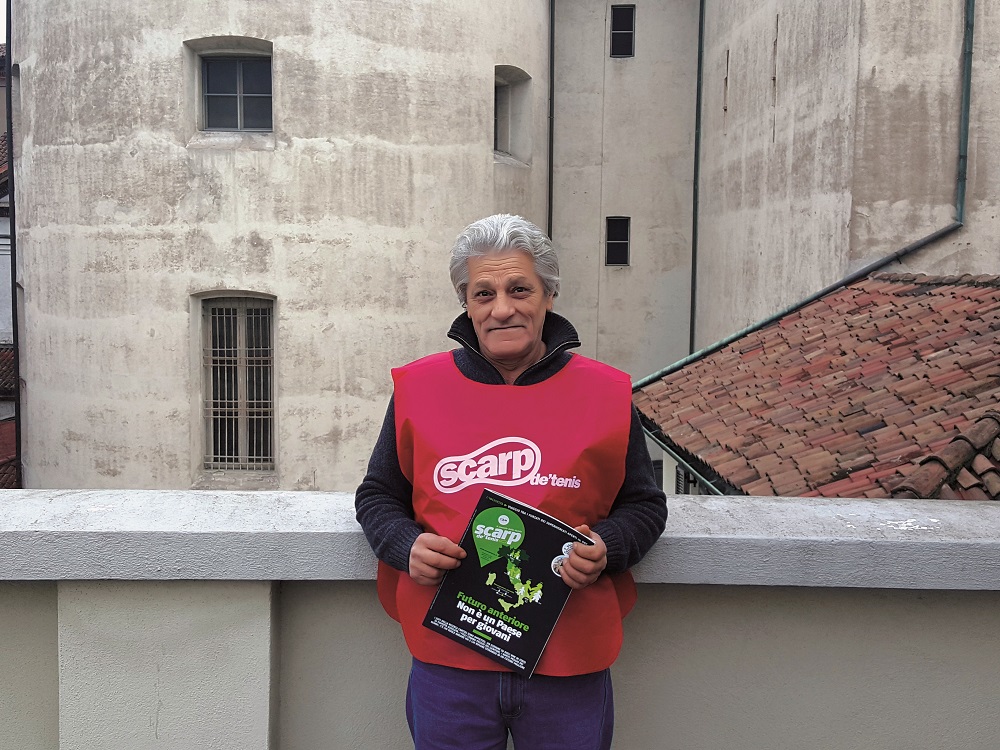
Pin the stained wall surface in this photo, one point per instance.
(382, 151)
(830, 140)
(777, 158)
(909, 102)
(624, 134)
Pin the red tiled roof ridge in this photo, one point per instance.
(966, 279)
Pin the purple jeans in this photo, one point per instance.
(458, 709)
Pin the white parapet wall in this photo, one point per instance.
(132, 619)
(262, 536)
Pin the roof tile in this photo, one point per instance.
(844, 393)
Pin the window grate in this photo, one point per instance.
(239, 369)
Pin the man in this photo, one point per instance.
(513, 375)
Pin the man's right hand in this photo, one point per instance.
(431, 555)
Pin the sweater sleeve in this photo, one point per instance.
(384, 500)
(639, 513)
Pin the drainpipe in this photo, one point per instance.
(8, 68)
(960, 189)
(963, 128)
(552, 99)
(697, 175)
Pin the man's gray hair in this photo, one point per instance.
(498, 234)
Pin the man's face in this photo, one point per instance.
(506, 301)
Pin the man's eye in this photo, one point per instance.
(482, 293)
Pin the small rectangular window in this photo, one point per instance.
(239, 372)
(237, 93)
(617, 241)
(501, 117)
(622, 30)
(512, 123)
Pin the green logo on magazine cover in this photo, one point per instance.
(494, 531)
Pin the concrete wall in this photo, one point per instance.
(909, 98)
(624, 134)
(381, 153)
(848, 155)
(703, 667)
(762, 623)
(176, 655)
(29, 663)
(783, 669)
(777, 160)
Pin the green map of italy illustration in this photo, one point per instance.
(526, 592)
(498, 532)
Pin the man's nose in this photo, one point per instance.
(502, 307)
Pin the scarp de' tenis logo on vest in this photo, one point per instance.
(505, 462)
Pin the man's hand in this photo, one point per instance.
(430, 556)
(585, 562)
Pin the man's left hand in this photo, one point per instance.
(586, 561)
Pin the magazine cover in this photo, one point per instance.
(505, 598)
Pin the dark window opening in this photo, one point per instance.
(623, 31)
(239, 369)
(501, 117)
(237, 93)
(617, 241)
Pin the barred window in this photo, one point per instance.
(239, 372)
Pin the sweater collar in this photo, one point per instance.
(558, 334)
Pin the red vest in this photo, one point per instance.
(559, 445)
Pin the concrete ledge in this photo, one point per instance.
(180, 535)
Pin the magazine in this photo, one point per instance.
(506, 596)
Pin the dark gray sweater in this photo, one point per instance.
(384, 499)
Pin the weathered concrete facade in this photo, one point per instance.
(624, 134)
(381, 151)
(830, 139)
(777, 127)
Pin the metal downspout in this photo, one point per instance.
(552, 111)
(696, 175)
(963, 128)
(18, 474)
(960, 194)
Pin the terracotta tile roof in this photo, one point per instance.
(967, 468)
(7, 380)
(888, 384)
(8, 455)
